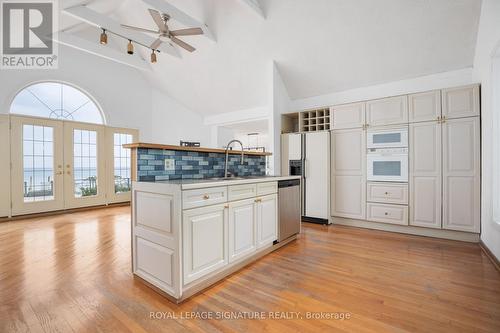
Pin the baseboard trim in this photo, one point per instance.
(494, 260)
(64, 211)
(410, 230)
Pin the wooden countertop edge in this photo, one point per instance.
(194, 149)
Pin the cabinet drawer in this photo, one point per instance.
(204, 197)
(392, 214)
(267, 188)
(388, 193)
(238, 192)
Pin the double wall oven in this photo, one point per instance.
(387, 156)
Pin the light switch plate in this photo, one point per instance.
(169, 164)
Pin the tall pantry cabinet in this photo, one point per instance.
(445, 159)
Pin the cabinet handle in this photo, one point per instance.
(226, 206)
(258, 200)
(206, 197)
(59, 173)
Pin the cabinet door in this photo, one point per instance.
(349, 116)
(242, 228)
(267, 220)
(424, 106)
(461, 174)
(425, 174)
(461, 102)
(204, 235)
(348, 188)
(294, 146)
(387, 111)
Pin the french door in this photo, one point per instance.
(84, 165)
(37, 174)
(62, 164)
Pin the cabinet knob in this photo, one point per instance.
(386, 193)
(258, 200)
(226, 206)
(206, 197)
(386, 213)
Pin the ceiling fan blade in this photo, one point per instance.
(182, 44)
(157, 18)
(187, 32)
(139, 29)
(156, 43)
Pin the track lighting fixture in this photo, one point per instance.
(153, 56)
(104, 37)
(130, 47)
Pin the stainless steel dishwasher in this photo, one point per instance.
(289, 208)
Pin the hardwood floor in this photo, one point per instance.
(71, 273)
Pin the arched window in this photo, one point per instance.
(56, 101)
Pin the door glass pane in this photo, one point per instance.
(121, 162)
(38, 163)
(387, 168)
(85, 176)
(387, 138)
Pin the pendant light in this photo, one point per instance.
(104, 37)
(153, 57)
(130, 47)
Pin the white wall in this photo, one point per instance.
(172, 122)
(429, 82)
(487, 42)
(122, 92)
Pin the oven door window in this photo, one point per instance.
(384, 138)
(387, 168)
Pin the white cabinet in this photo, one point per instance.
(204, 197)
(242, 228)
(387, 111)
(392, 214)
(348, 168)
(204, 234)
(349, 115)
(267, 220)
(294, 146)
(461, 174)
(424, 106)
(425, 174)
(461, 102)
(238, 192)
(387, 193)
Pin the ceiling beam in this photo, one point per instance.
(255, 5)
(99, 50)
(180, 16)
(87, 15)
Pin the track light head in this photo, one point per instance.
(104, 37)
(153, 57)
(130, 47)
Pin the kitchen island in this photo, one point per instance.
(190, 233)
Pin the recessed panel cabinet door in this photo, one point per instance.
(349, 115)
(267, 220)
(425, 174)
(204, 234)
(461, 174)
(242, 228)
(348, 188)
(461, 102)
(387, 111)
(424, 106)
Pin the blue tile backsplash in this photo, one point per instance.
(194, 165)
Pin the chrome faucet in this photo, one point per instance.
(227, 155)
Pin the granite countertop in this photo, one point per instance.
(189, 184)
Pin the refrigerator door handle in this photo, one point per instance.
(305, 168)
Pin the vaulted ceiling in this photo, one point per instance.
(319, 46)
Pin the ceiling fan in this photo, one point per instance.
(165, 34)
